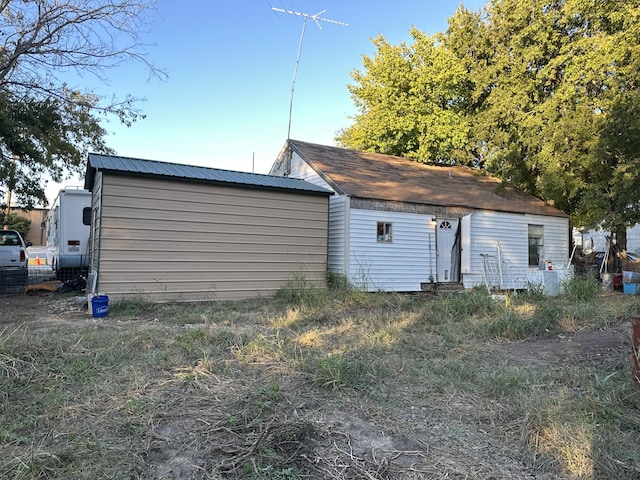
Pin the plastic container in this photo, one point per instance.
(607, 280)
(631, 288)
(100, 306)
(630, 277)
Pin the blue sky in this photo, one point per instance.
(231, 65)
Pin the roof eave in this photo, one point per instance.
(320, 173)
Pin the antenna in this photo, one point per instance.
(316, 18)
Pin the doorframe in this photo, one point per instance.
(457, 240)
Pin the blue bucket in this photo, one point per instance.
(100, 306)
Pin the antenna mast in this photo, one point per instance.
(316, 18)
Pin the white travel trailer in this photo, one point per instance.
(68, 229)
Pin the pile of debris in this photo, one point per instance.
(629, 263)
(615, 260)
(77, 284)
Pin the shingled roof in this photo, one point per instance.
(386, 177)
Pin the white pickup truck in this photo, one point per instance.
(14, 259)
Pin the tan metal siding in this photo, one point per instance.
(172, 241)
(94, 235)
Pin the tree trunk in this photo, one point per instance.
(621, 239)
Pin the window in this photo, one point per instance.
(384, 232)
(536, 245)
(9, 238)
(86, 216)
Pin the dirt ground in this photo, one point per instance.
(42, 311)
(363, 437)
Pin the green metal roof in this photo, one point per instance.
(152, 168)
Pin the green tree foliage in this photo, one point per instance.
(410, 101)
(47, 126)
(40, 138)
(542, 93)
(16, 222)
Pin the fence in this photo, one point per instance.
(39, 272)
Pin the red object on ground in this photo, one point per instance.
(617, 280)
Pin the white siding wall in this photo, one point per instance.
(338, 215)
(404, 264)
(511, 232)
(301, 169)
(338, 218)
(400, 265)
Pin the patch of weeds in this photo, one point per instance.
(616, 410)
(503, 382)
(509, 323)
(581, 288)
(342, 370)
(10, 363)
(39, 463)
(458, 306)
(263, 347)
(545, 319)
(191, 338)
(132, 306)
(468, 372)
(260, 406)
(271, 472)
(185, 313)
(299, 291)
(338, 282)
(534, 292)
(226, 339)
(270, 391)
(591, 432)
(201, 368)
(93, 400)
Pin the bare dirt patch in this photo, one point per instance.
(600, 349)
(42, 311)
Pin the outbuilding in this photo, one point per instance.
(399, 225)
(172, 232)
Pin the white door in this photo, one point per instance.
(445, 240)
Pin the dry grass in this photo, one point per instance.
(317, 385)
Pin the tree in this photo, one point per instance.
(546, 92)
(558, 71)
(46, 125)
(409, 102)
(16, 222)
